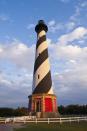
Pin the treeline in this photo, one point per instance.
(63, 110)
(73, 110)
(9, 112)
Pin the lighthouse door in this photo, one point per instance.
(48, 105)
(38, 105)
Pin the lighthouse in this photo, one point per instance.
(42, 101)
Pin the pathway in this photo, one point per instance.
(6, 127)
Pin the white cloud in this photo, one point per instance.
(54, 26)
(76, 19)
(72, 86)
(80, 9)
(83, 4)
(64, 1)
(16, 80)
(78, 33)
(51, 23)
(15, 92)
(70, 25)
(18, 53)
(4, 17)
(30, 26)
(1, 50)
(67, 49)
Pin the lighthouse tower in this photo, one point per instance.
(42, 102)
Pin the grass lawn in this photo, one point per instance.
(82, 126)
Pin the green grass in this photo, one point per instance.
(54, 127)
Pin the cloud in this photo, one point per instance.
(4, 17)
(75, 20)
(71, 86)
(78, 33)
(51, 23)
(4, 81)
(30, 26)
(70, 25)
(16, 69)
(64, 1)
(66, 48)
(15, 89)
(54, 26)
(83, 4)
(19, 53)
(80, 9)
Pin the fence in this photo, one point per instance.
(27, 119)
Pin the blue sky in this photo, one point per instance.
(17, 15)
(67, 40)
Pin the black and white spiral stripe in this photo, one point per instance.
(42, 82)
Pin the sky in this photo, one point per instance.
(67, 46)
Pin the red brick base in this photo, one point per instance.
(43, 105)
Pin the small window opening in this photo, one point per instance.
(38, 76)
